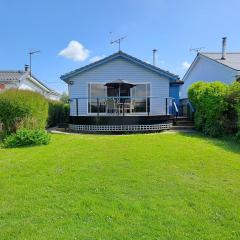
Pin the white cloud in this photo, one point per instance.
(75, 51)
(96, 58)
(186, 65)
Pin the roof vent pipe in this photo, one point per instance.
(224, 41)
(154, 56)
(26, 67)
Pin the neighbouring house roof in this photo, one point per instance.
(232, 59)
(125, 56)
(13, 75)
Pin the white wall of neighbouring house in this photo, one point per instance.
(114, 70)
(207, 70)
(26, 84)
(8, 85)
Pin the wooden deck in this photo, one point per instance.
(120, 120)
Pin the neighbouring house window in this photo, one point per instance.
(141, 97)
(2, 86)
(96, 98)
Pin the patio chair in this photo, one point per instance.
(129, 106)
(132, 104)
(111, 106)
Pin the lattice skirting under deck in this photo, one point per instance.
(120, 128)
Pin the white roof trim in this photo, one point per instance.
(195, 61)
(36, 82)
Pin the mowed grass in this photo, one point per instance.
(155, 186)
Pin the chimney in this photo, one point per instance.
(224, 41)
(26, 68)
(154, 56)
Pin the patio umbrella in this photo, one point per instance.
(120, 84)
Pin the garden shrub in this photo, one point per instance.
(238, 122)
(217, 107)
(58, 113)
(25, 137)
(22, 109)
(209, 101)
(195, 93)
(233, 98)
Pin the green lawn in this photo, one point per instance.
(155, 186)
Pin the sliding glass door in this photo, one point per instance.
(96, 98)
(140, 95)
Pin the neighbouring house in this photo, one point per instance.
(24, 80)
(210, 67)
(121, 93)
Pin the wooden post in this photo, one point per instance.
(148, 106)
(98, 106)
(166, 107)
(77, 105)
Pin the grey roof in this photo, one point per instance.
(232, 59)
(125, 56)
(11, 75)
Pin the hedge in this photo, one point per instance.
(234, 105)
(58, 113)
(217, 110)
(22, 109)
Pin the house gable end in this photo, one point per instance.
(120, 55)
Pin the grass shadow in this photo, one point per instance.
(227, 143)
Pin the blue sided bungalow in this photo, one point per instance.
(122, 93)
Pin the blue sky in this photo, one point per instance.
(173, 27)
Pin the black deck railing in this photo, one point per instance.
(186, 109)
(122, 106)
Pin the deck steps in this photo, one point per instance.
(182, 128)
(183, 124)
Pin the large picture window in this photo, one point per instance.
(103, 99)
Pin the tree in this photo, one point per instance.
(64, 98)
